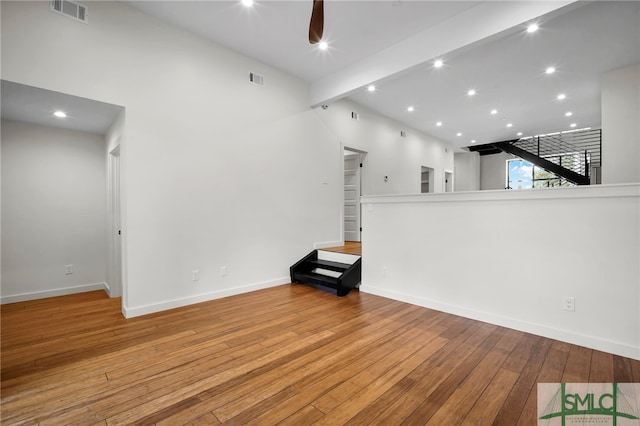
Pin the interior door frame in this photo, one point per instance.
(363, 161)
(115, 223)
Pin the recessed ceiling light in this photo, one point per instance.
(494, 111)
(568, 114)
(371, 88)
(532, 28)
(471, 92)
(519, 134)
(323, 45)
(247, 3)
(410, 109)
(572, 125)
(458, 134)
(561, 97)
(473, 141)
(439, 123)
(550, 70)
(60, 114)
(509, 125)
(438, 63)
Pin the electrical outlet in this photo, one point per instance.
(223, 271)
(195, 275)
(569, 303)
(68, 269)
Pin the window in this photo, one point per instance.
(521, 174)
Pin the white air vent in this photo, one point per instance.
(355, 115)
(256, 79)
(70, 9)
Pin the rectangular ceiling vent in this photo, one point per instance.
(256, 79)
(70, 9)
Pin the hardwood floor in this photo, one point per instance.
(349, 247)
(287, 355)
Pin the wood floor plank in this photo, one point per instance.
(551, 372)
(578, 365)
(511, 410)
(601, 368)
(288, 355)
(456, 407)
(486, 409)
(315, 386)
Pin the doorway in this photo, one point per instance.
(353, 166)
(448, 181)
(426, 180)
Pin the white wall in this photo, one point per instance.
(466, 171)
(493, 171)
(388, 153)
(217, 171)
(620, 91)
(53, 211)
(509, 257)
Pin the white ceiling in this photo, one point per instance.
(393, 43)
(506, 68)
(34, 105)
(508, 75)
(276, 32)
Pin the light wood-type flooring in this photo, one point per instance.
(349, 247)
(289, 355)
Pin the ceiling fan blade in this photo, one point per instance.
(316, 25)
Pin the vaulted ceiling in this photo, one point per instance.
(484, 46)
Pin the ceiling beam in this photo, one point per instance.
(481, 22)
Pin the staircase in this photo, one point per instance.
(574, 156)
(341, 272)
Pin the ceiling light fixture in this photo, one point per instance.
(572, 125)
(323, 45)
(509, 125)
(494, 111)
(247, 3)
(439, 123)
(471, 92)
(371, 88)
(519, 134)
(561, 97)
(532, 28)
(438, 63)
(473, 141)
(410, 109)
(60, 114)
(550, 70)
(458, 134)
(568, 114)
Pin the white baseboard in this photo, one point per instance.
(52, 293)
(568, 336)
(130, 312)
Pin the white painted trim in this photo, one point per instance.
(512, 323)
(591, 191)
(319, 246)
(130, 312)
(53, 293)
